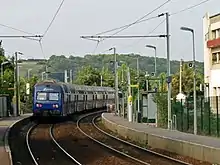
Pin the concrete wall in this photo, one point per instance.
(196, 151)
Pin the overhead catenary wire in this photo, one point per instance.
(16, 29)
(138, 20)
(173, 14)
(54, 17)
(139, 40)
(133, 23)
(190, 7)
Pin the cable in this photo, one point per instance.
(136, 42)
(15, 29)
(118, 28)
(96, 47)
(188, 8)
(54, 17)
(135, 22)
(180, 11)
(42, 50)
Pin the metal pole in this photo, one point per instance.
(46, 72)
(29, 73)
(19, 112)
(42, 76)
(147, 88)
(71, 76)
(155, 62)
(16, 81)
(194, 76)
(139, 112)
(116, 82)
(2, 73)
(194, 84)
(101, 80)
(180, 90)
(129, 97)
(65, 76)
(168, 72)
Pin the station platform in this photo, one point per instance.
(199, 147)
(5, 125)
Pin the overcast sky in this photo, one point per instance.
(88, 17)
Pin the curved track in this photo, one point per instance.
(44, 149)
(138, 154)
(83, 148)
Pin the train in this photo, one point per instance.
(51, 98)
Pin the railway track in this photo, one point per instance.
(84, 149)
(44, 145)
(44, 149)
(129, 150)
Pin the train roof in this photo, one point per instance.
(75, 87)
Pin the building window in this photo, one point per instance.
(213, 34)
(214, 58)
(218, 33)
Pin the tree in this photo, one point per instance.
(160, 98)
(187, 81)
(88, 76)
(60, 63)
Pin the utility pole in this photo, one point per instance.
(194, 76)
(101, 80)
(16, 84)
(155, 57)
(42, 75)
(46, 72)
(194, 85)
(71, 76)
(129, 97)
(65, 76)
(147, 89)
(168, 72)
(116, 82)
(181, 68)
(139, 112)
(29, 73)
(123, 93)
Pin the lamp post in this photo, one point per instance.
(42, 75)
(116, 80)
(194, 75)
(155, 57)
(2, 71)
(17, 83)
(29, 73)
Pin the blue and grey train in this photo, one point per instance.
(52, 98)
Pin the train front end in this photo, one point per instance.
(47, 100)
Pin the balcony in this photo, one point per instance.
(213, 43)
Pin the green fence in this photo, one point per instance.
(208, 122)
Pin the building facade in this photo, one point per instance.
(211, 33)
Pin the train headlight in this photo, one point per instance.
(38, 105)
(55, 106)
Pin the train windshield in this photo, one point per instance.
(41, 96)
(53, 96)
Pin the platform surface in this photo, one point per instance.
(5, 123)
(175, 135)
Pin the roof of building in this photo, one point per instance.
(213, 16)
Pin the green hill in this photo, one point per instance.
(57, 64)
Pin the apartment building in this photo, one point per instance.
(211, 33)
